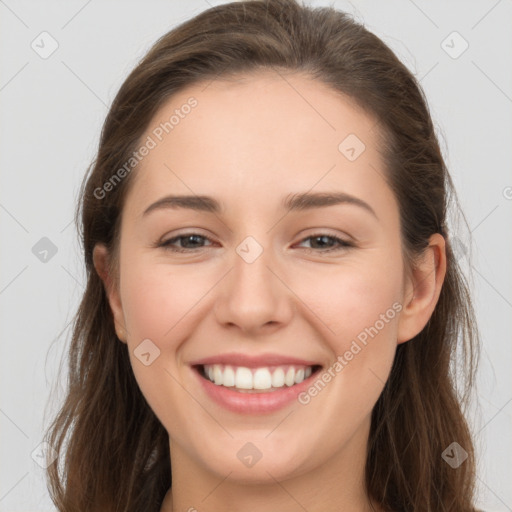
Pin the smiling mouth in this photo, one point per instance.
(256, 380)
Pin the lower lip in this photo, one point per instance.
(253, 403)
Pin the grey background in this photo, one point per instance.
(52, 111)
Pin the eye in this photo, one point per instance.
(323, 240)
(189, 242)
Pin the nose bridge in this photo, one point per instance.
(252, 296)
(252, 281)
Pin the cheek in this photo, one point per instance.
(353, 298)
(157, 298)
(158, 302)
(358, 307)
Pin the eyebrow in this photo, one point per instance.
(295, 202)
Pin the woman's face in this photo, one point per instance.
(261, 287)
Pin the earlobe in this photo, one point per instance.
(100, 259)
(424, 287)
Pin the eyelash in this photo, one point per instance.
(342, 244)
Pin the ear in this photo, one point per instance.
(100, 258)
(422, 289)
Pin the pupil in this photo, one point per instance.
(316, 238)
(191, 237)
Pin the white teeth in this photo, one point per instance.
(229, 377)
(289, 378)
(258, 378)
(299, 375)
(243, 378)
(217, 375)
(262, 379)
(278, 378)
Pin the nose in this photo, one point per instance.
(253, 296)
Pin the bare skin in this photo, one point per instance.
(250, 144)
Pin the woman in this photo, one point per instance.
(272, 301)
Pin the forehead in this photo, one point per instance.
(259, 133)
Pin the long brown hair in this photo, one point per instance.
(113, 451)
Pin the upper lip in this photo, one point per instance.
(248, 361)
